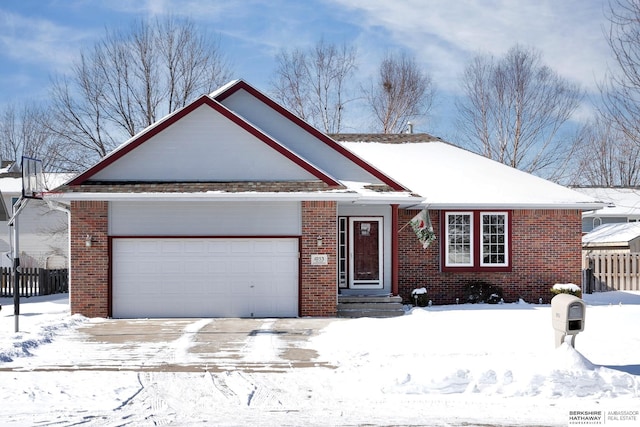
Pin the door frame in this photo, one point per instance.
(368, 284)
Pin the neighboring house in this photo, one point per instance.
(623, 205)
(621, 238)
(233, 206)
(43, 232)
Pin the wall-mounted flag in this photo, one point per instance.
(421, 224)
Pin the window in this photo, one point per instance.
(476, 241)
(494, 240)
(459, 235)
(596, 222)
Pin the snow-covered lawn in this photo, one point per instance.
(442, 365)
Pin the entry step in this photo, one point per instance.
(370, 306)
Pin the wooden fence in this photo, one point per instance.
(608, 271)
(34, 282)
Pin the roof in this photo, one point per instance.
(174, 117)
(227, 91)
(107, 181)
(452, 177)
(613, 233)
(621, 201)
(387, 138)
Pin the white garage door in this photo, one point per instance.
(204, 277)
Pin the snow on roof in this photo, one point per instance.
(452, 177)
(223, 88)
(610, 233)
(622, 201)
(13, 184)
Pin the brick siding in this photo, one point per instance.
(546, 249)
(318, 290)
(89, 293)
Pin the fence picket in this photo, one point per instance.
(614, 271)
(34, 282)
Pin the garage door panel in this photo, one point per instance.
(286, 246)
(146, 246)
(194, 247)
(205, 277)
(217, 266)
(241, 247)
(218, 247)
(264, 247)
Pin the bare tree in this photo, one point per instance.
(621, 92)
(514, 108)
(24, 132)
(313, 83)
(401, 92)
(607, 158)
(129, 80)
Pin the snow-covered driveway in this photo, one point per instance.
(443, 366)
(181, 345)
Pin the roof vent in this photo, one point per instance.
(409, 127)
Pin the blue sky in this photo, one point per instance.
(40, 38)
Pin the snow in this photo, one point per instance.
(442, 365)
(613, 233)
(567, 287)
(451, 177)
(622, 201)
(13, 185)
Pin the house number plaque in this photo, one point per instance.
(319, 259)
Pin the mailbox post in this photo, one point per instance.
(567, 317)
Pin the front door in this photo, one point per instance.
(365, 253)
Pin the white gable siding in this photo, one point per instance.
(203, 146)
(296, 139)
(204, 219)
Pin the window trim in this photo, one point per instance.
(476, 242)
(506, 240)
(446, 245)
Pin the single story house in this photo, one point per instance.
(43, 232)
(622, 206)
(235, 207)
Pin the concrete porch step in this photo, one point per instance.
(348, 299)
(370, 306)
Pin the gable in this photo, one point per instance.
(299, 136)
(204, 142)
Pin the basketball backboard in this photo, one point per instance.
(32, 178)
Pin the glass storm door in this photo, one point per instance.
(365, 253)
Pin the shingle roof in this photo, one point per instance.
(197, 187)
(387, 138)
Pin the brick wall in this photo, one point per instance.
(89, 265)
(546, 249)
(318, 291)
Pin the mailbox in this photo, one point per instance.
(568, 312)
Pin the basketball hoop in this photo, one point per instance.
(32, 178)
(32, 188)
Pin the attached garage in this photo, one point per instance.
(224, 208)
(204, 277)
